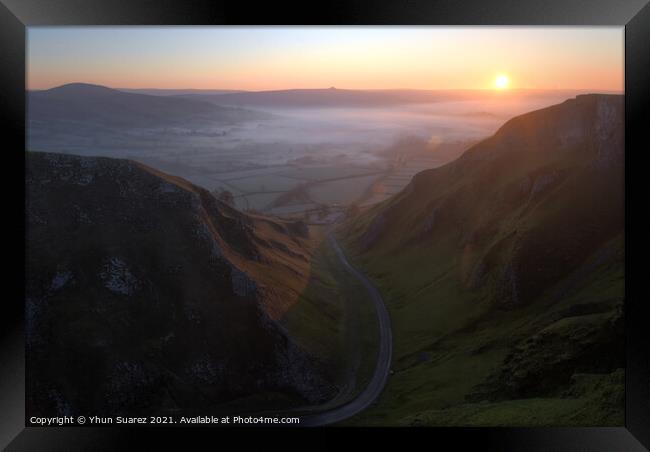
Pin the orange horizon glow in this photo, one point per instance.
(275, 58)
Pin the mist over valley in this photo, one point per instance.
(292, 153)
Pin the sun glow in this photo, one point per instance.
(502, 81)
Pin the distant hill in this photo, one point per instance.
(505, 273)
(333, 97)
(176, 92)
(147, 295)
(85, 103)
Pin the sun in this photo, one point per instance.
(502, 81)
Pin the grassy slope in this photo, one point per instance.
(335, 320)
(438, 366)
(456, 333)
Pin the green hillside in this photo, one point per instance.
(504, 276)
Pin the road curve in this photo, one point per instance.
(385, 354)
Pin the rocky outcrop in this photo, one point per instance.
(586, 340)
(146, 295)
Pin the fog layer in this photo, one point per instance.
(285, 160)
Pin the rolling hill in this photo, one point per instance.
(146, 295)
(176, 92)
(107, 107)
(503, 272)
(346, 98)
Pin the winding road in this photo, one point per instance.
(385, 353)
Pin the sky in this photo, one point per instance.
(267, 58)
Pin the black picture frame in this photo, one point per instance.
(16, 15)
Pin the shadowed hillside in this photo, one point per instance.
(147, 295)
(504, 275)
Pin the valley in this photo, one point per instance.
(298, 153)
(347, 226)
(414, 279)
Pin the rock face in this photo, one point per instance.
(147, 295)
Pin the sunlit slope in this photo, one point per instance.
(504, 273)
(146, 295)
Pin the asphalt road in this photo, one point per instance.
(382, 369)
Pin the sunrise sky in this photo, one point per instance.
(264, 58)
